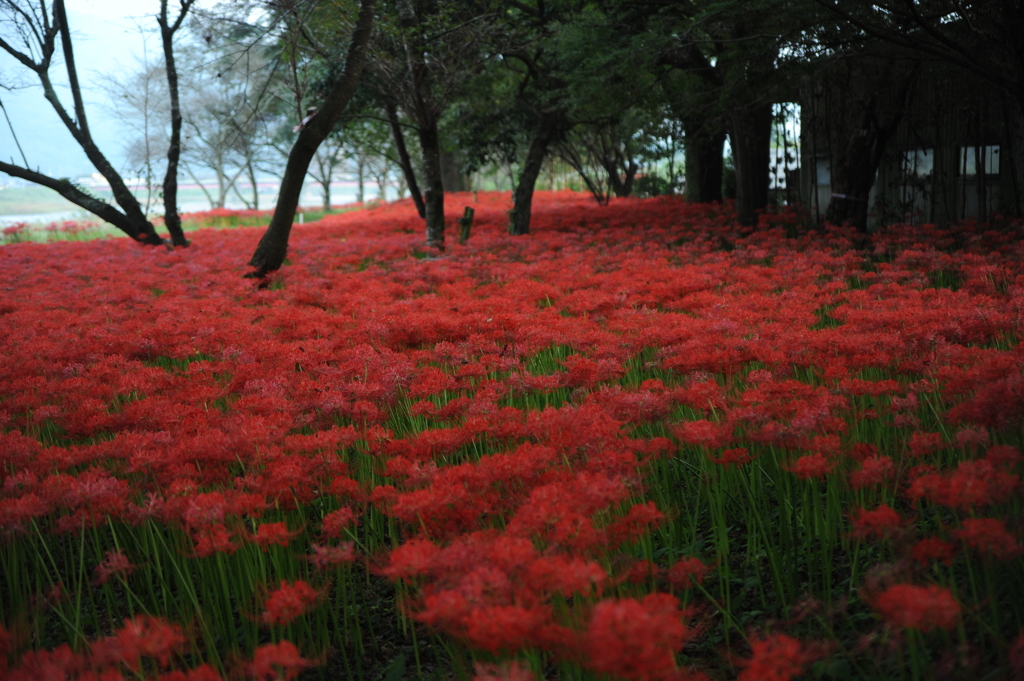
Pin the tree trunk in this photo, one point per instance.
(404, 161)
(425, 114)
(141, 227)
(69, 191)
(451, 178)
(854, 174)
(522, 205)
(622, 185)
(271, 251)
(131, 219)
(171, 218)
(1011, 161)
(704, 166)
(751, 147)
(434, 196)
(326, 184)
(255, 186)
(360, 179)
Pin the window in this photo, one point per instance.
(969, 158)
(919, 162)
(824, 171)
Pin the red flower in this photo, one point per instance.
(335, 522)
(114, 563)
(924, 444)
(411, 559)
(924, 608)
(332, 555)
(989, 536)
(933, 548)
(687, 572)
(873, 471)
(273, 533)
(879, 523)
(635, 640)
(288, 602)
(776, 658)
(142, 636)
(811, 466)
(277, 662)
(732, 457)
(703, 432)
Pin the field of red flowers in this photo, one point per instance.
(641, 443)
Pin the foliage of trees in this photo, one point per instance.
(633, 97)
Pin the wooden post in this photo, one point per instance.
(466, 223)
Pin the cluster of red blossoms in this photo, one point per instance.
(502, 406)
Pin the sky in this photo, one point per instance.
(110, 38)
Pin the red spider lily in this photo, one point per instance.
(496, 542)
(1003, 456)
(638, 521)
(336, 522)
(972, 484)
(777, 657)
(688, 571)
(324, 556)
(498, 627)
(114, 563)
(924, 608)
(880, 523)
(277, 662)
(933, 549)
(873, 471)
(276, 534)
(811, 467)
(703, 433)
(412, 558)
(142, 636)
(635, 639)
(641, 571)
(289, 601)
(563, 575)
(732, 457)
(924, 444)
(989, 536)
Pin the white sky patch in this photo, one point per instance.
(110, 37)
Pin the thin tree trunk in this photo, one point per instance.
(167, 30)
(854, 175)
(434, 196)
(360, 180)
(523, 201)
(271, 251)
(202, 187)
(622, 185)
(404, 161)
(241, 198)
(141, 227)
(751, 148)
(704, 166)
(425, 115)
(255, 186)
(69, 191)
